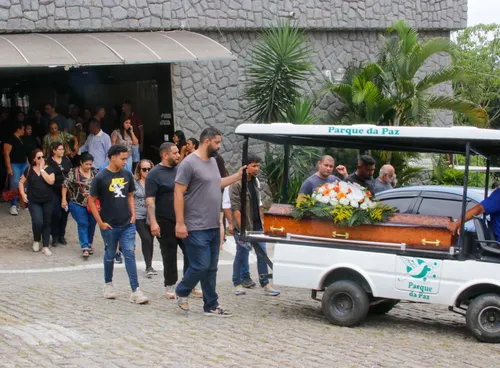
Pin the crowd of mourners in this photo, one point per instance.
(56, 166)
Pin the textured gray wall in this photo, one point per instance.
(80, 15)
(210, 93)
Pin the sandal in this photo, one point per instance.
(91, 250)
(85, 253)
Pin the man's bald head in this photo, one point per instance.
(386, 173)
(326, 164)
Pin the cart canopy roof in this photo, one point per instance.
(363, 136)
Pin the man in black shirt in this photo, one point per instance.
(364, 173)
(114, 188)
(160, 184)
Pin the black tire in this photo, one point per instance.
(483, 317)
(383, 307)
(345, 303)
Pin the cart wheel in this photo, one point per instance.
(483, 317)
(345, 303)
(383, 307)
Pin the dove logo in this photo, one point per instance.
(417, 273)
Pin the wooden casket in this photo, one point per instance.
(416, 231)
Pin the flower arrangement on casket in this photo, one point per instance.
(347, 204)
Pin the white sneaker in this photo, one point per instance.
(138, 297)
(13, 210)
(170, 292)
(46, 251)
(109, 291)
(36, 246)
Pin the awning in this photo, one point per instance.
(113, 48)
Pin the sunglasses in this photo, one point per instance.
(145, 169)
(40, 157)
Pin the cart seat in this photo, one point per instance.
(486, 237)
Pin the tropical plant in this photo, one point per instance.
(477, 49)
(280, 62)
(394, 91)
(401, 59)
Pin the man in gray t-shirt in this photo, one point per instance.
(197, 199)
(385, 179)
(324, 175)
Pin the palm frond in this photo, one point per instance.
(475, 113)
(447, 74)
(426, 50)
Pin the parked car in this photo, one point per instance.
(432, 200)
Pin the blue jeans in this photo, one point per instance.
(130, 163)
(136, 154)
(86, 224)
(126, 236)
(202, 248)
(241, 260)
(18, 171)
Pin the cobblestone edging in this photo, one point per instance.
(84, 15)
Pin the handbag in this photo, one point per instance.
(87, 195)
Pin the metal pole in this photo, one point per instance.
(487, 179)
(286, 173)
(243, 197)
(461, 255)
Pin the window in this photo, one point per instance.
(442, 207)
(402, 204)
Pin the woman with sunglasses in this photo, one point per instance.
(141, 223)
(61, 166)
(39, 179)
(77, 183)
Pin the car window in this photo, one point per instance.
(402, 204)
(442, 207)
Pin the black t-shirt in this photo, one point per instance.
(254, 204)
(112, 189)
(30, 144)
(18, 153)
(61, 172)
(353, 178)
(160, 184)
(38, 190)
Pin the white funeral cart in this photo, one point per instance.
(358, 278)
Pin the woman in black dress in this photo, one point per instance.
(61, 166)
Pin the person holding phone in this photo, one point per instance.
(125, 136)
(39, 178)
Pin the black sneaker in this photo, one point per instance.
(62, 241)
(118, 257)
(248, 283)
(218, 312)
(54, 242)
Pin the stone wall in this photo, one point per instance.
(105, 15)
(210, 93)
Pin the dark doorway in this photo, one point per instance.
(147, 86)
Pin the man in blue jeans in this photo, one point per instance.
(114, 187)
(254, 219)
(197, 200)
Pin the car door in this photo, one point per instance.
(442, 204)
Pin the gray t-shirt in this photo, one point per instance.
(315, 181)
(380, 186)
(140, 201)
(203, 195)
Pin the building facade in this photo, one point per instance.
(210, 93)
